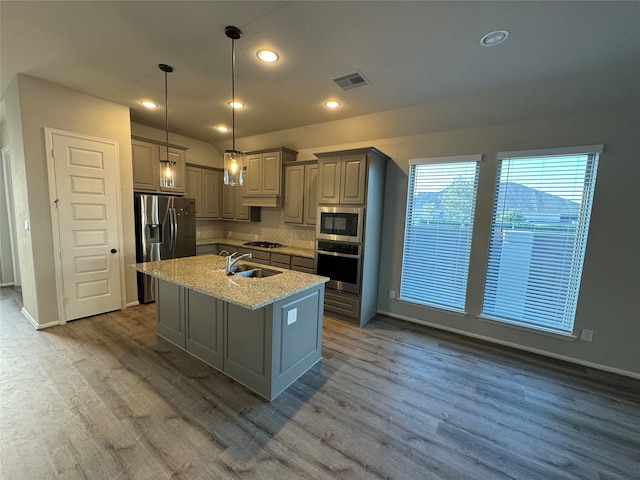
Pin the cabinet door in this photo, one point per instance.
(329, 173)
(294, 182)
(194, 188)
(211, 183)
(228, 201)
(241, 213)
(253, 180)
(353, 181)
(177, 158)
(204, 327)
(170, 312)
(271, 173)
(146, 175)
(310, 194)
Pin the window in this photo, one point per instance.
(538, 238)
(437, 241)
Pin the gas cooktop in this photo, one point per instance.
(263, 244)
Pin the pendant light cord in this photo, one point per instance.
(233, 94)
(166, 116)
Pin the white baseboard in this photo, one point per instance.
(34, 324)
(8, 284)
(132, 304)
(545, 353)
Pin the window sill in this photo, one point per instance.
(568, 337)
(460, 313)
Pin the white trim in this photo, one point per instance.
(517, 346)
(132, 304)
(7, 284)
(49, 133)
(550, 152)
(452, 159)
(11, 215)
(34, 324)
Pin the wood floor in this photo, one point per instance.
(104, 398)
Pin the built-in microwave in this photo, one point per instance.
(340, 224)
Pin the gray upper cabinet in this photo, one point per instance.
(310, 194)
(264, 177)
(146, 166)
(145, 157)
(232, 203)
(205, 186)
(212, 197)
(300, 197)
(342, 179)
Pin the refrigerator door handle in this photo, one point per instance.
(175, 230)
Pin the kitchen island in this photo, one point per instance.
(262, 332)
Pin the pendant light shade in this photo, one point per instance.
(233, 159)
(167, 167)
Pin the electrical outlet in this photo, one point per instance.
(587, 335)
(392, 294)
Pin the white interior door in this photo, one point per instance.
(85, 204)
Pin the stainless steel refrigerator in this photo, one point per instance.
(165, 228)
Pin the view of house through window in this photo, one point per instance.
(437, 241)
(538, 238)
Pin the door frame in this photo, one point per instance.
(49, 133)
(11, 214)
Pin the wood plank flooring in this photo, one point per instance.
(105, 398)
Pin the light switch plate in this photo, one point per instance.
(292, 316)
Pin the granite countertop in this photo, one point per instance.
(199, 273)
(299, 251)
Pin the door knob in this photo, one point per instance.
(113, 250)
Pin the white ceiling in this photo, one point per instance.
(413, 53)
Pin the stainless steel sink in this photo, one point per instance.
(256, 272)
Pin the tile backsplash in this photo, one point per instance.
(271, 228)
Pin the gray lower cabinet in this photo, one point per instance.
(281, 260)
(170, 317)
(266, 349)
(342, 305)
(206, 249)
(302, 264)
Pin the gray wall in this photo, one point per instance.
(609, 302)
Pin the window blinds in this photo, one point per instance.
(439, 222)
(538, 238)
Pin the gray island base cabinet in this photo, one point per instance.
(266, 349)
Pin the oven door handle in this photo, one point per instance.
(336, 254)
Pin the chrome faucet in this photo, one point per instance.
(230, 261)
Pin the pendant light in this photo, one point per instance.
(233, 159)
(167, 169)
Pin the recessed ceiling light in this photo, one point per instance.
(236, 104)
(494, 38)
(268, 56)
(222, 128)
(149, 104)
(332, 104)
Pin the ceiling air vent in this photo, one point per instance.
(352, 80)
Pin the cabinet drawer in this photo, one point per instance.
(302, 264)
(206, 249)
(342, 303)
(281, 260)
(257, 256)
(228, 248)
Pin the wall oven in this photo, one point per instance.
(342, 263)
(340, 224)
